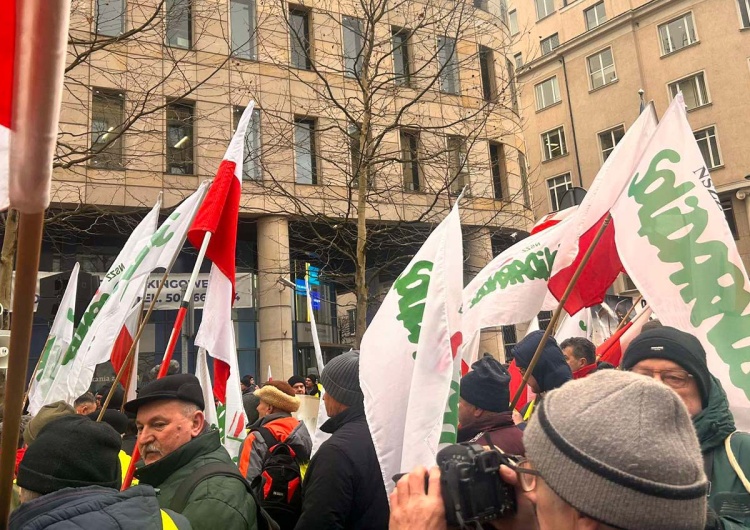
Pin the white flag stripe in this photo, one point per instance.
(318, 436)
(57, 342)
(201, 372)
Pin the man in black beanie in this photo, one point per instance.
(81, 485)
(484, 414)
(343, 486)
(678, 360)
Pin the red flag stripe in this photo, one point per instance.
(7, 58)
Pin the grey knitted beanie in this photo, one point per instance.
(621, 449)
(340, 378)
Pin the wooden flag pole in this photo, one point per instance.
(625, 318)
(559, 309)
(30, 228)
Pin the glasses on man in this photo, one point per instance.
(526, 474)
(672, 378)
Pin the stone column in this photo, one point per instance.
(479, 254)
(275, 319)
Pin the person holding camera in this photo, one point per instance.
(484, 413)
(612, 451)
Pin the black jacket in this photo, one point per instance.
(344, 486)
(94, 507)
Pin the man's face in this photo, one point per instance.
(243, 387)
(308, 383)
(533, 385)
(676, 378)
(574, 363)
(252, 381)
(264, 409)
(85, 408)
(333, 407)
(466, 413)
(165, 426)
(299, 388)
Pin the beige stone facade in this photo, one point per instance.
(147, 75)
(702, 45)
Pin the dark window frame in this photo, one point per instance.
(186, 120)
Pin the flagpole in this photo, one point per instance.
(30, 226)
(128, 478)
(558, 310)
(625, 318)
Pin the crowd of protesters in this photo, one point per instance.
(651, 445)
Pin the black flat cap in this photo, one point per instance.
(183, 387)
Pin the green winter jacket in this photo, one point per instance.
(713, 424)
(217, 502)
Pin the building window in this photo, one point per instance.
(306, 163)
(709, 147)
(504, 12)
(544, 8)
(677, 34)
(179, 23)
(110, 17)
(595, 15)
(744, 12)
(601, 68)
(512, 85)
(242, 15)
(518, 59)
(693, 90)
(609, 139)
(509, 341)
(251, 169)
(553, 143)
(524, 180)
(487, 68)
(557, 186)
(299, 27)
(499, 171)
(513, 23)
(401, 56)
(353, 44)
(351, 316)
(481, 4)
(107, 110)
(547, 93)
(448, 64)
(550, 43)
(410, 159)
(180, 138)
(353, 132)
(458, 164)
(726, 205)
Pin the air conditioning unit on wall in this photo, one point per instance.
(624, 286)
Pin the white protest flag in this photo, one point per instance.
(65, 384)
(318, 436)
(512, 288)
(270, 375)
(58, 340)
(217, 219)
(679, 252)
(407, 369)
(201, 372)
(155, 252)
(578, 325)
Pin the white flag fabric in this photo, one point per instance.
(679, 252)
(66, 384)
(578, 325)
(201, 372)
(58, 340)
(154, 252)
(407, 369)
(270, 375)
(318, 436)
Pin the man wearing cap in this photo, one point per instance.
(343, 486)
(610, 451)
(277, 402)
(175, 442)
(297, 382)
(678, 360)
(80, 488)
(484, 413)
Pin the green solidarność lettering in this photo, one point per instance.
(412, 288)
(707, 279)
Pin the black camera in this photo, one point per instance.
(472, 489)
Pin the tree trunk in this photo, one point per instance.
(7, 259)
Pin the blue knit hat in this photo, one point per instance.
(551, 370)
(487, 385)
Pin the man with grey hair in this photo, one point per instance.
(179, 448)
